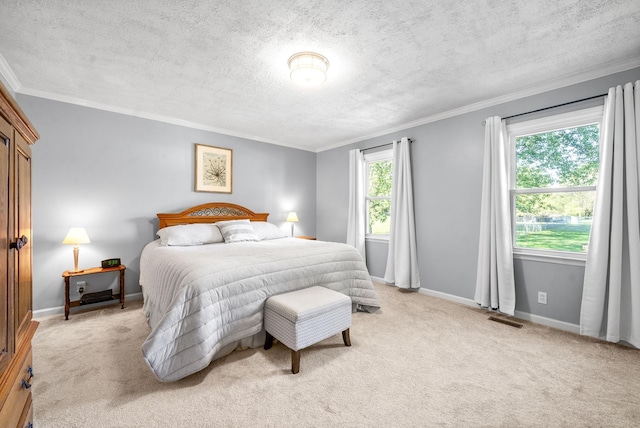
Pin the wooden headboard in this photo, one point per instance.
(210, 213)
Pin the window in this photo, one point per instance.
(553, 180)
(378, 174)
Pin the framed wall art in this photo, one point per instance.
(213, 169)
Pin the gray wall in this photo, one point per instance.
(112, 173)
(447, 172)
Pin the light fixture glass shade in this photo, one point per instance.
(76, 235)
(308, 68)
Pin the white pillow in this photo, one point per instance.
(265, 230)
(237, 231)
(190, 234)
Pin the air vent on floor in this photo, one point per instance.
(504, 321)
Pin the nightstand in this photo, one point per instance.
(312, 238)
(69, 273)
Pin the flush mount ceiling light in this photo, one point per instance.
(308, 68)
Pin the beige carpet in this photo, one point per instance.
(420, 361)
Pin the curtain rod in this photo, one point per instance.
(382, 145)
(558, 105)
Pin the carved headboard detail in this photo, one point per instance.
(210, 213)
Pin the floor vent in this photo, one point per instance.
(504, 321)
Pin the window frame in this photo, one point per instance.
(381, 155)
(573, 119)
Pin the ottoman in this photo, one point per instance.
(304, 317)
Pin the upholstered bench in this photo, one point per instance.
(304, 317)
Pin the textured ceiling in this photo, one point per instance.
(222, 65)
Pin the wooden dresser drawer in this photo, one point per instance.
(19, 394)
(26, 420)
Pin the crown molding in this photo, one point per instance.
(8, 75)
(152, 116)
(549, 85)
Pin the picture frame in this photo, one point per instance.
(213, 169)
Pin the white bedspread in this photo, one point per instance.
(204, 301)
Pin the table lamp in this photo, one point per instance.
(292, 218)
(76, 235)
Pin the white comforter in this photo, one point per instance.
(204, 301)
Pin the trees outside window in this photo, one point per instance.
(554, 178)
(379, 173)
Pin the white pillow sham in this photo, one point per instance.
(190, 234)
(265, 230)
(237, 231)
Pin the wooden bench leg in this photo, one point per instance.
(295, 361)
(346, 338)
(268, 341)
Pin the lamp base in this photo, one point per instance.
(76, 251)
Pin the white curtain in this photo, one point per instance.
(402, 259)
(356, 221)
(611, 294)
(495, 285)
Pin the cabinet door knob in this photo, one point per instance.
(21, 242)
(25, 384)
(30, 371)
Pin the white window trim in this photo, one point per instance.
(379, 155)
(553, 123)
(383, 239)
(386, 154)
(557, 257)
(548, 124)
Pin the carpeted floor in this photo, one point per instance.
(418, 362)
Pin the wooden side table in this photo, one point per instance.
(69, 273)
(311, 238)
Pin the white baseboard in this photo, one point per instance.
(549, 322)
(41, 313)
(450, 297)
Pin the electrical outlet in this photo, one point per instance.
(542, 297)
(82, 285)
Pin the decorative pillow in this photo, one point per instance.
(190, 234)
(237, 231)
(265, 230)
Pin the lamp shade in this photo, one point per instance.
(292, 217)
(308, 68)
(76, 235)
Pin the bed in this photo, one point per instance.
(204, 285)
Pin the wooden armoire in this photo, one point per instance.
(16, 325)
